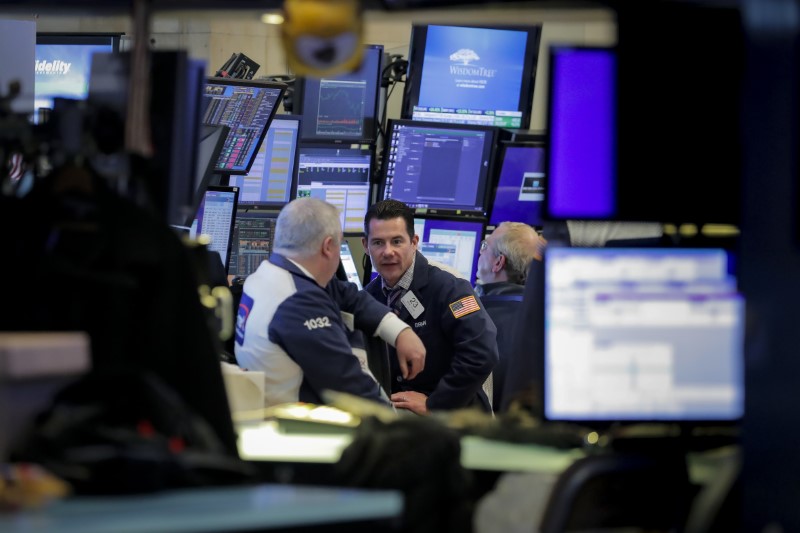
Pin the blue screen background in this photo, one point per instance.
(73, 84)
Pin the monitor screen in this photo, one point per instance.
(344, 106)
(581, 170)
(455, 243)
(212, 138)
(349, 265)
(215, 217)
(642, 334)
(520, 185)
(272, 179)
(338, 175)
(64, 63)
(253, 235)
(247, 108)
(472, 75)
(437, 168)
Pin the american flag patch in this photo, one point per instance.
(464, 306)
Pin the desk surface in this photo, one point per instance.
(209, 509)
(264, 442)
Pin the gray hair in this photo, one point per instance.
(302, 226)
(519, 246)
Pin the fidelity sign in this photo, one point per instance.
(52, 67)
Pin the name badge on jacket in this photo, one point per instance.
(412, 304)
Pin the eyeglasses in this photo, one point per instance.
(484, 245)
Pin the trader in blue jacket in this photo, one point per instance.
(459, 336)
(290, 323)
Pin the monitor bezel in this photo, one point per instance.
(300, 93)
(416, 58)
(488, 177)
(295, 168)
(80, 38)
(610, 211)
(262, 84)
(235, 190)
(498, 169)
(364, 147)
(473, 276)
(602, 423)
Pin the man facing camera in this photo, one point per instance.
(458, 335)
(290, 323)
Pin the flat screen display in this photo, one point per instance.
(339, 175)
(349, 265)
(520, 186)
(581, 168)
(642, 334)
(247, 108)
(215, 217)
(455, 243)
(253, 239)
(472, 75)
(272, 179)
(64, 63)
(342, 107)
(439, 168)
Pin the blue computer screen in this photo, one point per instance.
(520, 186)
(581, 169)
(642, 334)
(471, 75)
(63, 64)
(438, 168)
(455, 243)
(273, 177)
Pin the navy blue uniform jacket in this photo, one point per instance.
(460, 352)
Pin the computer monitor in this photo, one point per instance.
(581, 166)
(212, 139)
(215, 217)
(521, 185)
(272, 179)
(455, 243)
(641, 335)
(349, 265)
(472, 75)
(343, 107)
(247, 108)
(339, 175)
(440, 169)
(253, 238)
(64, 62)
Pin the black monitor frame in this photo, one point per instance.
(236, 190)
(369, 127)
(498, 169)
(295, 169)
(416, 57)
(483, 192)
(260, 84)
(90, 38)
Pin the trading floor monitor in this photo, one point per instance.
(455, 243)
(215, 217)
(642, 334)
(272, 180)
(521, 185)
(253, 237)
(339, 175)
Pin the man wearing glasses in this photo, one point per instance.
(505, 257)
(459, 336)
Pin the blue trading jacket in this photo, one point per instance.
(461, 351)
(292, 329)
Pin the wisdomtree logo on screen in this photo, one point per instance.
(52, 67)
(474, 76)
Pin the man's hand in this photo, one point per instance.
(415, 402)
(410, 353)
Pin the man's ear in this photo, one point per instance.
(328, 246)
(364, 244)
(499, 263)
(415, 240)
